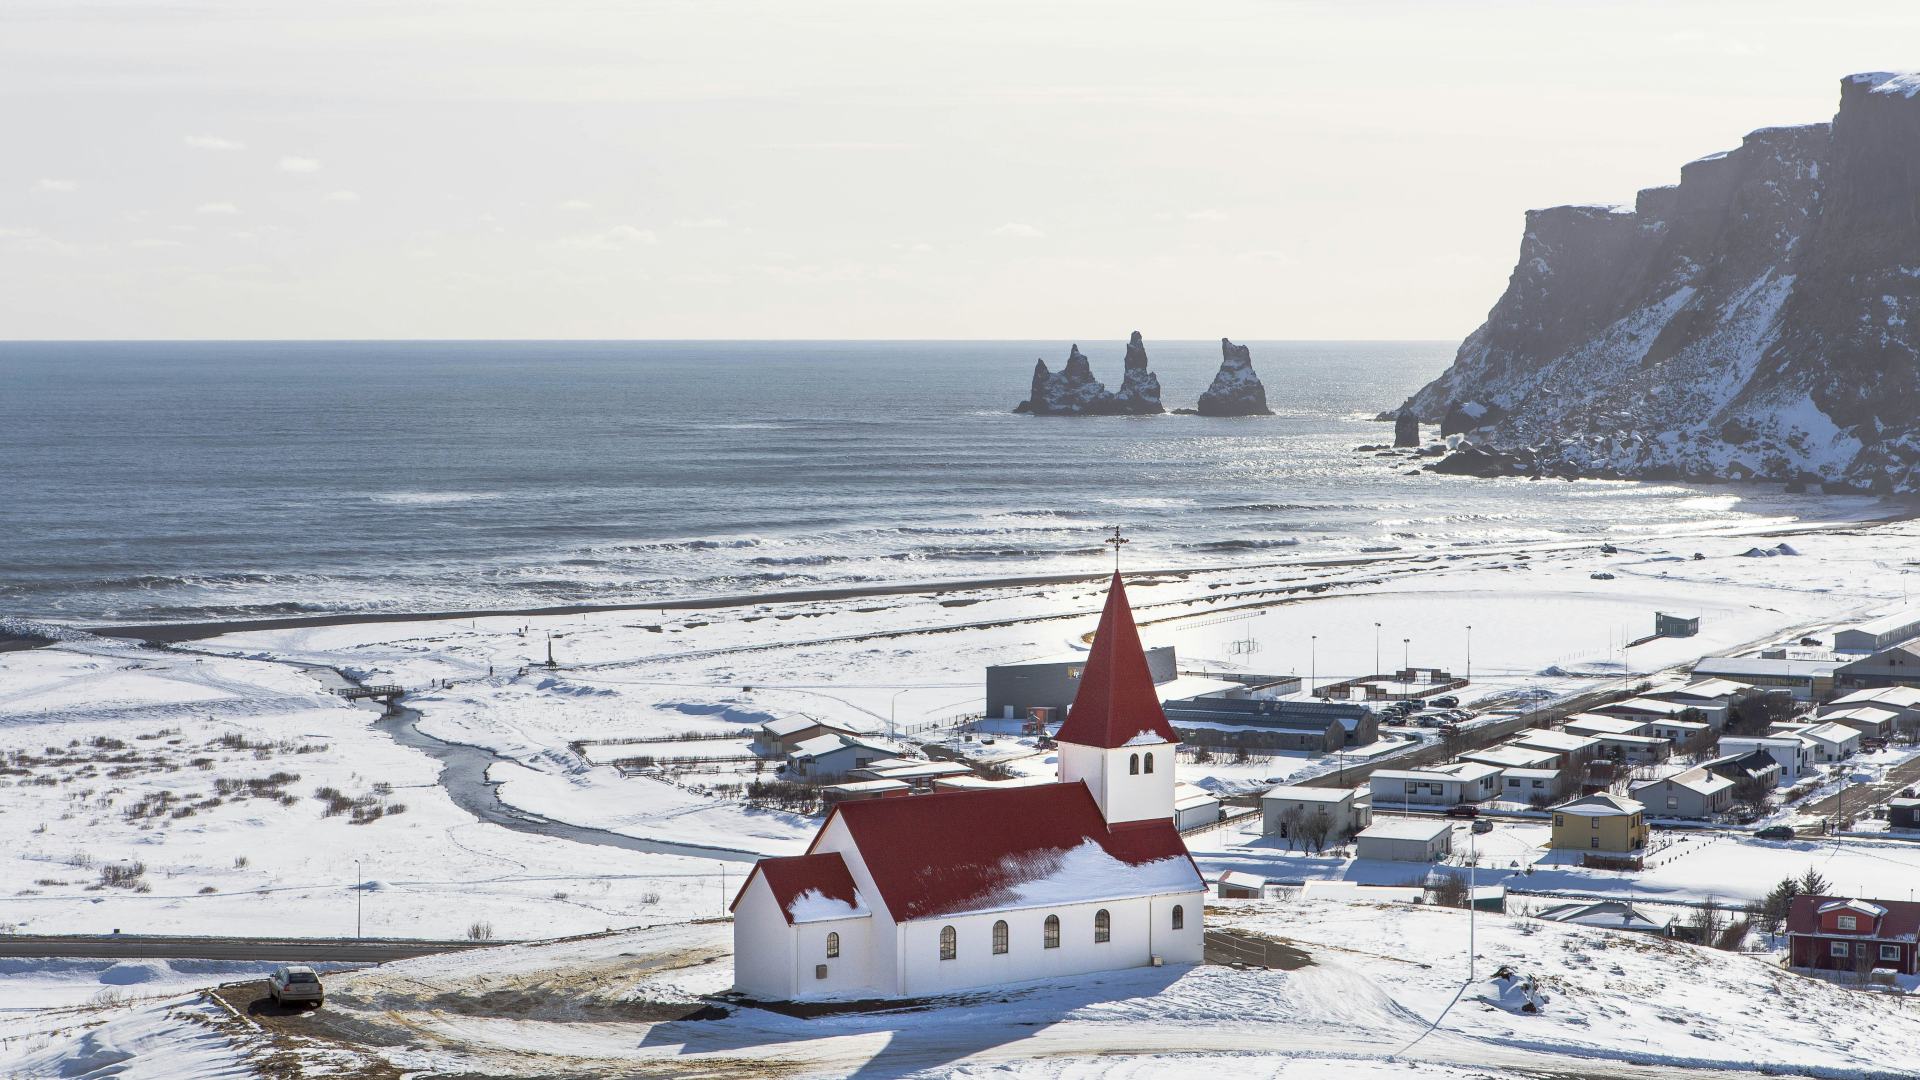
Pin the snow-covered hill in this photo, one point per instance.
(1751, 321)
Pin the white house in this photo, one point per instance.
(930, 894)
(1595, 725)
(834, 755)
(1405, 840)
(1831, 741)
(1194, 806)
(1349, 809)
(1437, 785)
(1871, 721)
(1794, 756)
(1652, 709)
(1695, 793)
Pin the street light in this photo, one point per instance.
(1313, 663)
(1469, 652)
(359, 891)
(1406, 665)
(891, 703)
(1376, 649)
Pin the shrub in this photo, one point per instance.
(121, 875)
(480, 931)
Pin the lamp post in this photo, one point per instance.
(891, 704)
(1406, 666)
(1376, 649)
(1469, 652)
(359, 892)
(1313, 664)
(1473, 880)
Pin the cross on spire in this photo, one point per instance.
(1116, 540)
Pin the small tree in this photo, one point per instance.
(1202, 755)
(1778, 903)
(1812, 883)
(1705, 924)
(1732, 936)
(1315, 828)
(1290, 822)
(1751, 791)
(1446, 890)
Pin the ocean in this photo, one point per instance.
(190, 481)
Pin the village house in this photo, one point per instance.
(1532, 786)
(1435, 785)
(1755, 765)
(1696, 794)
(1680, 734)
(1870, 721)
(1794, 756)
(1902, 701)
(1896, 666)
(1723, 695)
(1513, 757)
(1830, 742)
(1598, 724)
(1405, 840)
(1603, 824)
(1831, 933)
(1806, 678)
(1635, 749)
(1240, 885)
(863, 789)
(1573, 749)
(832, 757)
(956, 890)
(1194, 806)
(777, 738)
(1282, 807)
(1878, 633)
(1903, 813)
(1653, 709)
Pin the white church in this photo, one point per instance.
(935, 893)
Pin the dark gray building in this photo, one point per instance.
(1015, 689)
(1897, 666)
(1315, 726)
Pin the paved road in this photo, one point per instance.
(1857, 798)
(265, 950)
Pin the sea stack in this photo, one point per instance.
(1139, 388)
(1236, 390)
(1073, 391)
(1406, 429)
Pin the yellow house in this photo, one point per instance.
(1602, 823)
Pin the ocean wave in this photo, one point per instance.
(1276, 508)
(431, 498)
(1242, 545)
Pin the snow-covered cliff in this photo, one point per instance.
(1750, 321)
(1236, 389)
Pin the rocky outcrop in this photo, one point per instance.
(1406, 429)
(1756, 320)
(1073, 391)
(1236, 389)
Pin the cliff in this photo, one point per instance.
(1750, 321)
(1236, 390)
(1073, 391)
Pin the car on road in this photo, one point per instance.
(1465, 810)
(295, 984)
(1774, 832)
(1446, 701)
(1482, 825)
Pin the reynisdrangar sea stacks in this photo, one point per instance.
(1236, 390)
(1073, 391)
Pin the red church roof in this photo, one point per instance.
(1117, 701)
(957, 851)
(794, 877)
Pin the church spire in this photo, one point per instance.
(1117, 702)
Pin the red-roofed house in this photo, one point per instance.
(956, 890)
(1834, 933)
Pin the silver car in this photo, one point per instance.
(295, 984)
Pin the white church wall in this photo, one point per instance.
(763, 947)
(883, 962)
(976, 965)
(847, 975)
(1188, 944)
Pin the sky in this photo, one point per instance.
(894, 170)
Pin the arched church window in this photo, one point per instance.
(1133, 765)
(1149, 761)
(949, 943)
(1000, 938)
(833, 946)
(1102, 926)
(1050, 938)
(1179, 917)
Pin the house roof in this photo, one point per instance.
(957, 851)
(808, 888)
(1297, 793)
(1117, 703)
(835, 741)
(1591, 724)
(1605, 914)
(1891, 622)
(1898, 919)
(1511, 757)
(1456, 771)
(1706, 689)
(1696, 779)
(791, 725)
(1833, 733)
(1602, 805)
(1406, 829)
(1900, 697)
(1648, 705)
(1872, 714)
(1559, 741)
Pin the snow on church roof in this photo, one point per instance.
(809, 888)
(1117, 703)
(957, 851)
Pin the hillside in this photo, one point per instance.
(1752, 321)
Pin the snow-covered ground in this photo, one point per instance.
(1371, 991)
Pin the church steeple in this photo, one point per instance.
(1116, 737)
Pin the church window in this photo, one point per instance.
(1133, 765)
(1000, 938)
(1149, 761)
(1051, 937)
(1102, 926)
(1179, 917)
(833, 946)
(949, 943)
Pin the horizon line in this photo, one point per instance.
(661, 340)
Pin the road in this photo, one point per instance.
(263, 950)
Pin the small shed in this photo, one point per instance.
(863, 789)
(1235, 885)
(1406, 840)
(1903, 813)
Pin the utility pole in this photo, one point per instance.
(1469, 652)
(1473, 881)
(1313, 664)
(1376, 649)
(891, 704)
(359, 893)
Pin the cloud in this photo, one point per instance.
(341, 196)
(212, 142)
(216, 208)
(618, 238)
(1020, 229)
(1206, 215)
(299, 164)
(573, 204)
(47, 184)
(154, 242)
(702, 223)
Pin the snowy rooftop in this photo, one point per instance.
(1709, 689)
(1600, 806)
(1650, 705)
(1562, 741)
(1297, 793)
(1407, 829)
(1590, 724)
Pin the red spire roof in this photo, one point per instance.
(1117, 702)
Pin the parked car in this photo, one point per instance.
(1482, 825)
(1446, 701)
(1429, 721)
(1464, 810)
(295, 984)
(1775, 832)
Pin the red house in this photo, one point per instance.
(1837, 934)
